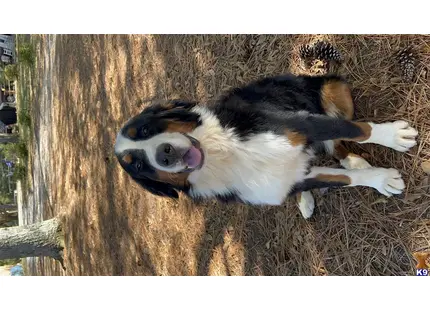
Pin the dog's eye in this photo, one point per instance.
(139, 166)
(144, 131)
(167, 149)
(166, 161)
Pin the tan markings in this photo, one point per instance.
(127, 158)
(340, 151)
(421, 258)
(338, 178)
(366, 129)
(299, 197)
(174, 126)
(296, 138)
(336, 99)
(178, 179)
(132, 132)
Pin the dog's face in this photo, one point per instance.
(157, 150)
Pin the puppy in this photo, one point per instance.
(255, 144)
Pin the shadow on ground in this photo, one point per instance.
(115, 228)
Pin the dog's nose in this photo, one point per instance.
(166, 155)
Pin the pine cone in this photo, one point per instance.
(325, 51)
(306, 51)
(407, 60)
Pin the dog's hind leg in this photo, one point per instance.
(306, 203)
(386, 181)
(397, 135)
(336, 100)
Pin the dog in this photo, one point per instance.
(255, 143)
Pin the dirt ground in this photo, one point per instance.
(113, 227)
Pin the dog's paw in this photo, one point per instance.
(398, 135)
(353, 161)
(306, 204)
(386, 181)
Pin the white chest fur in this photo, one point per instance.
(260, 170)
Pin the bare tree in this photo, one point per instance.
(41, 239)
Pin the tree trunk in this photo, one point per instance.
(40, 239)
(8, 138)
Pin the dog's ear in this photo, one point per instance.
(178, 112)
(162, 107)
(177, 103)
(157, 188)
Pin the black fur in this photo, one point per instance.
(158, 188)
(154, 119)
(313, 183)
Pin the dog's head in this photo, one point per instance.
(156, 149)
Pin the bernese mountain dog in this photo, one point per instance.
(255, 143)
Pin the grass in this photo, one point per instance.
(116, 228)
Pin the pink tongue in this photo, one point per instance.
(192, 157)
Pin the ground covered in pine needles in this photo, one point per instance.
(115, 228)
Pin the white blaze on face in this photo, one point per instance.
(149, 146)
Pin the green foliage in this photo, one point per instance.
(26, 54)
(3, 79)
(24, 118)
(13, 261)
(5, 198)
(11, 72)
(13, 151)
(20, 172)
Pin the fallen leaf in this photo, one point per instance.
(402, 108)
(412, 197)
(395, 80)
(426, 166)
(425, 183)
(379, 200)
(423, 73)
